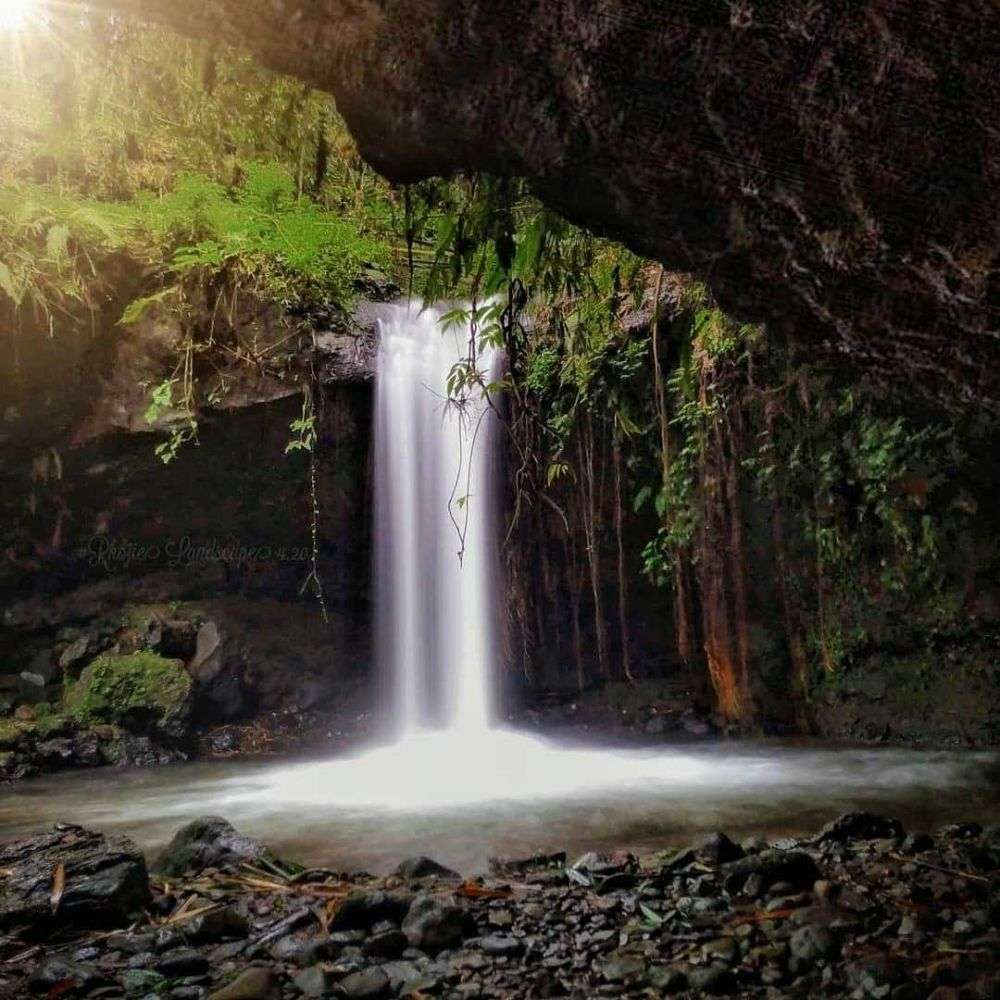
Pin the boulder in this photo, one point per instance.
(208, 842)
(140, 691)
(105, 880)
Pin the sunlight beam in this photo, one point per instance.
(14, 13)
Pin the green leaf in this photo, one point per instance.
(137, 308)
(57, 242)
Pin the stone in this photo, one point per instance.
(132, 944)
(345, 939)
(773, 865)
(288, 949)
(717, 848)
(31, 686)
(142, 981)
(874, 972)
(422, 867)
(811, 943)
(713, 979)
(968, 830)
(208, 842)
(399, 972)
(501, 946)
(56, 753)
(314, 981)
(106, 882)
(369, 984)
(207, 643)
(726, 950)
(917, 843)
(181, 962)
(667, 980)
(55, 974)
(255, 983)
(362, 910)
(754, 845)
(623, 967)
(432, 925)
(217, 925)
(387, 944)
(860, 826)
(139, 691)
(74, 652)
(501, 918)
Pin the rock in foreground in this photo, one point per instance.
(208, 842)
(71, 877)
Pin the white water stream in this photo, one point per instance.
(435, 529)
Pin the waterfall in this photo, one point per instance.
(436, 616)
(435, 527)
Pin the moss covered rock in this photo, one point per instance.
(140, 691)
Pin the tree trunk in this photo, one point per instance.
(622, 570)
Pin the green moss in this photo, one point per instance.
(11, 732)
(136, 688)
(52, 724)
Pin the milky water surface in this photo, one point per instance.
(513, 794)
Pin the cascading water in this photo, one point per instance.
(434, 527)
(437, 640)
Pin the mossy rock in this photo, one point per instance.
(12, 732)
(139, 691)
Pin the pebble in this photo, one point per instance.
(180, 963)
(370, 984)
(255, 983)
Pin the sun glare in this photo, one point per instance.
(13, 13)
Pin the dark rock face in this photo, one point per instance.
(105, 880)
(832, 168)
(208, 842)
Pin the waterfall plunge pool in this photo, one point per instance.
(462, 798)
